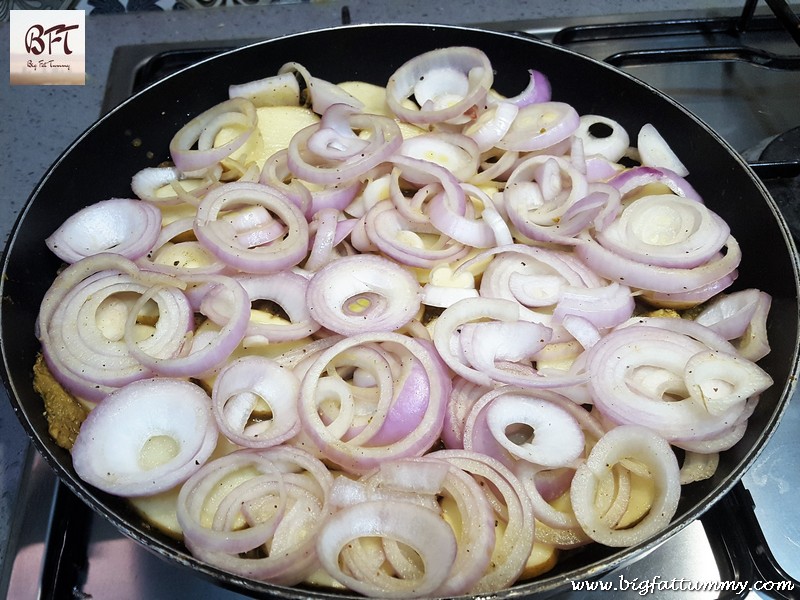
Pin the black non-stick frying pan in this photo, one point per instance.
(135, 135)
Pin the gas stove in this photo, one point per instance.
(740, 73)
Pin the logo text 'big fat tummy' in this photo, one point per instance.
(48, 47)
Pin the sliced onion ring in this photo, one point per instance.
(363, 293)
(421, 529)
(642, 445)
(108, 450)
(119, 225)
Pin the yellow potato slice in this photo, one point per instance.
(543, 557)
(373, 96)
(160, 510)
(276, 126)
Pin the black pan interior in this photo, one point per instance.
(99, 165)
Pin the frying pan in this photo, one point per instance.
(136, 134)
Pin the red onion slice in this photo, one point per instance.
(149, 180)
(512, 506)
(287, 290)
(399, 239)
(440, 486)
(740, 316)
(90, 359)
(602, 136)
(633, 179)
(108, 452)
(461, 346)
(148, 185)
(539, 126)
(276, 90)
(720, 380)
(205, 353)
(457, 153)
(604, 306)
(666, 230)
(176, 257)
(537, 90)
(658, 278)
(320, 93)
(220, 237)
(531, 275)
(548, 199)
(654, 151)
(192, 147)
(363, 293)
(380, 135)
(557, 440)
(463, 397)
(629, 367)
(119, 225)
(219, 522)
(492, 124)
(421, 416)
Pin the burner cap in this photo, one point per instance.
(786, 191)
(786, 146)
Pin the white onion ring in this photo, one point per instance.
(119, 225)
(642, 445)
(419, 528)
(107, 450)
(473, 66)
(235, 396)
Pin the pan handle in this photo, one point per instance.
(776, 169)
(742, 551)
(66, 548)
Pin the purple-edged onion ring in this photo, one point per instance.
(446, 84)
(357, 294)
(274, 500)
(406, 416)
(202, 130)
(420, 529)
(221, 238)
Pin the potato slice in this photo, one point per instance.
(276, 126)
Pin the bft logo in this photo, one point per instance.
(48, 47)
(38, 39)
